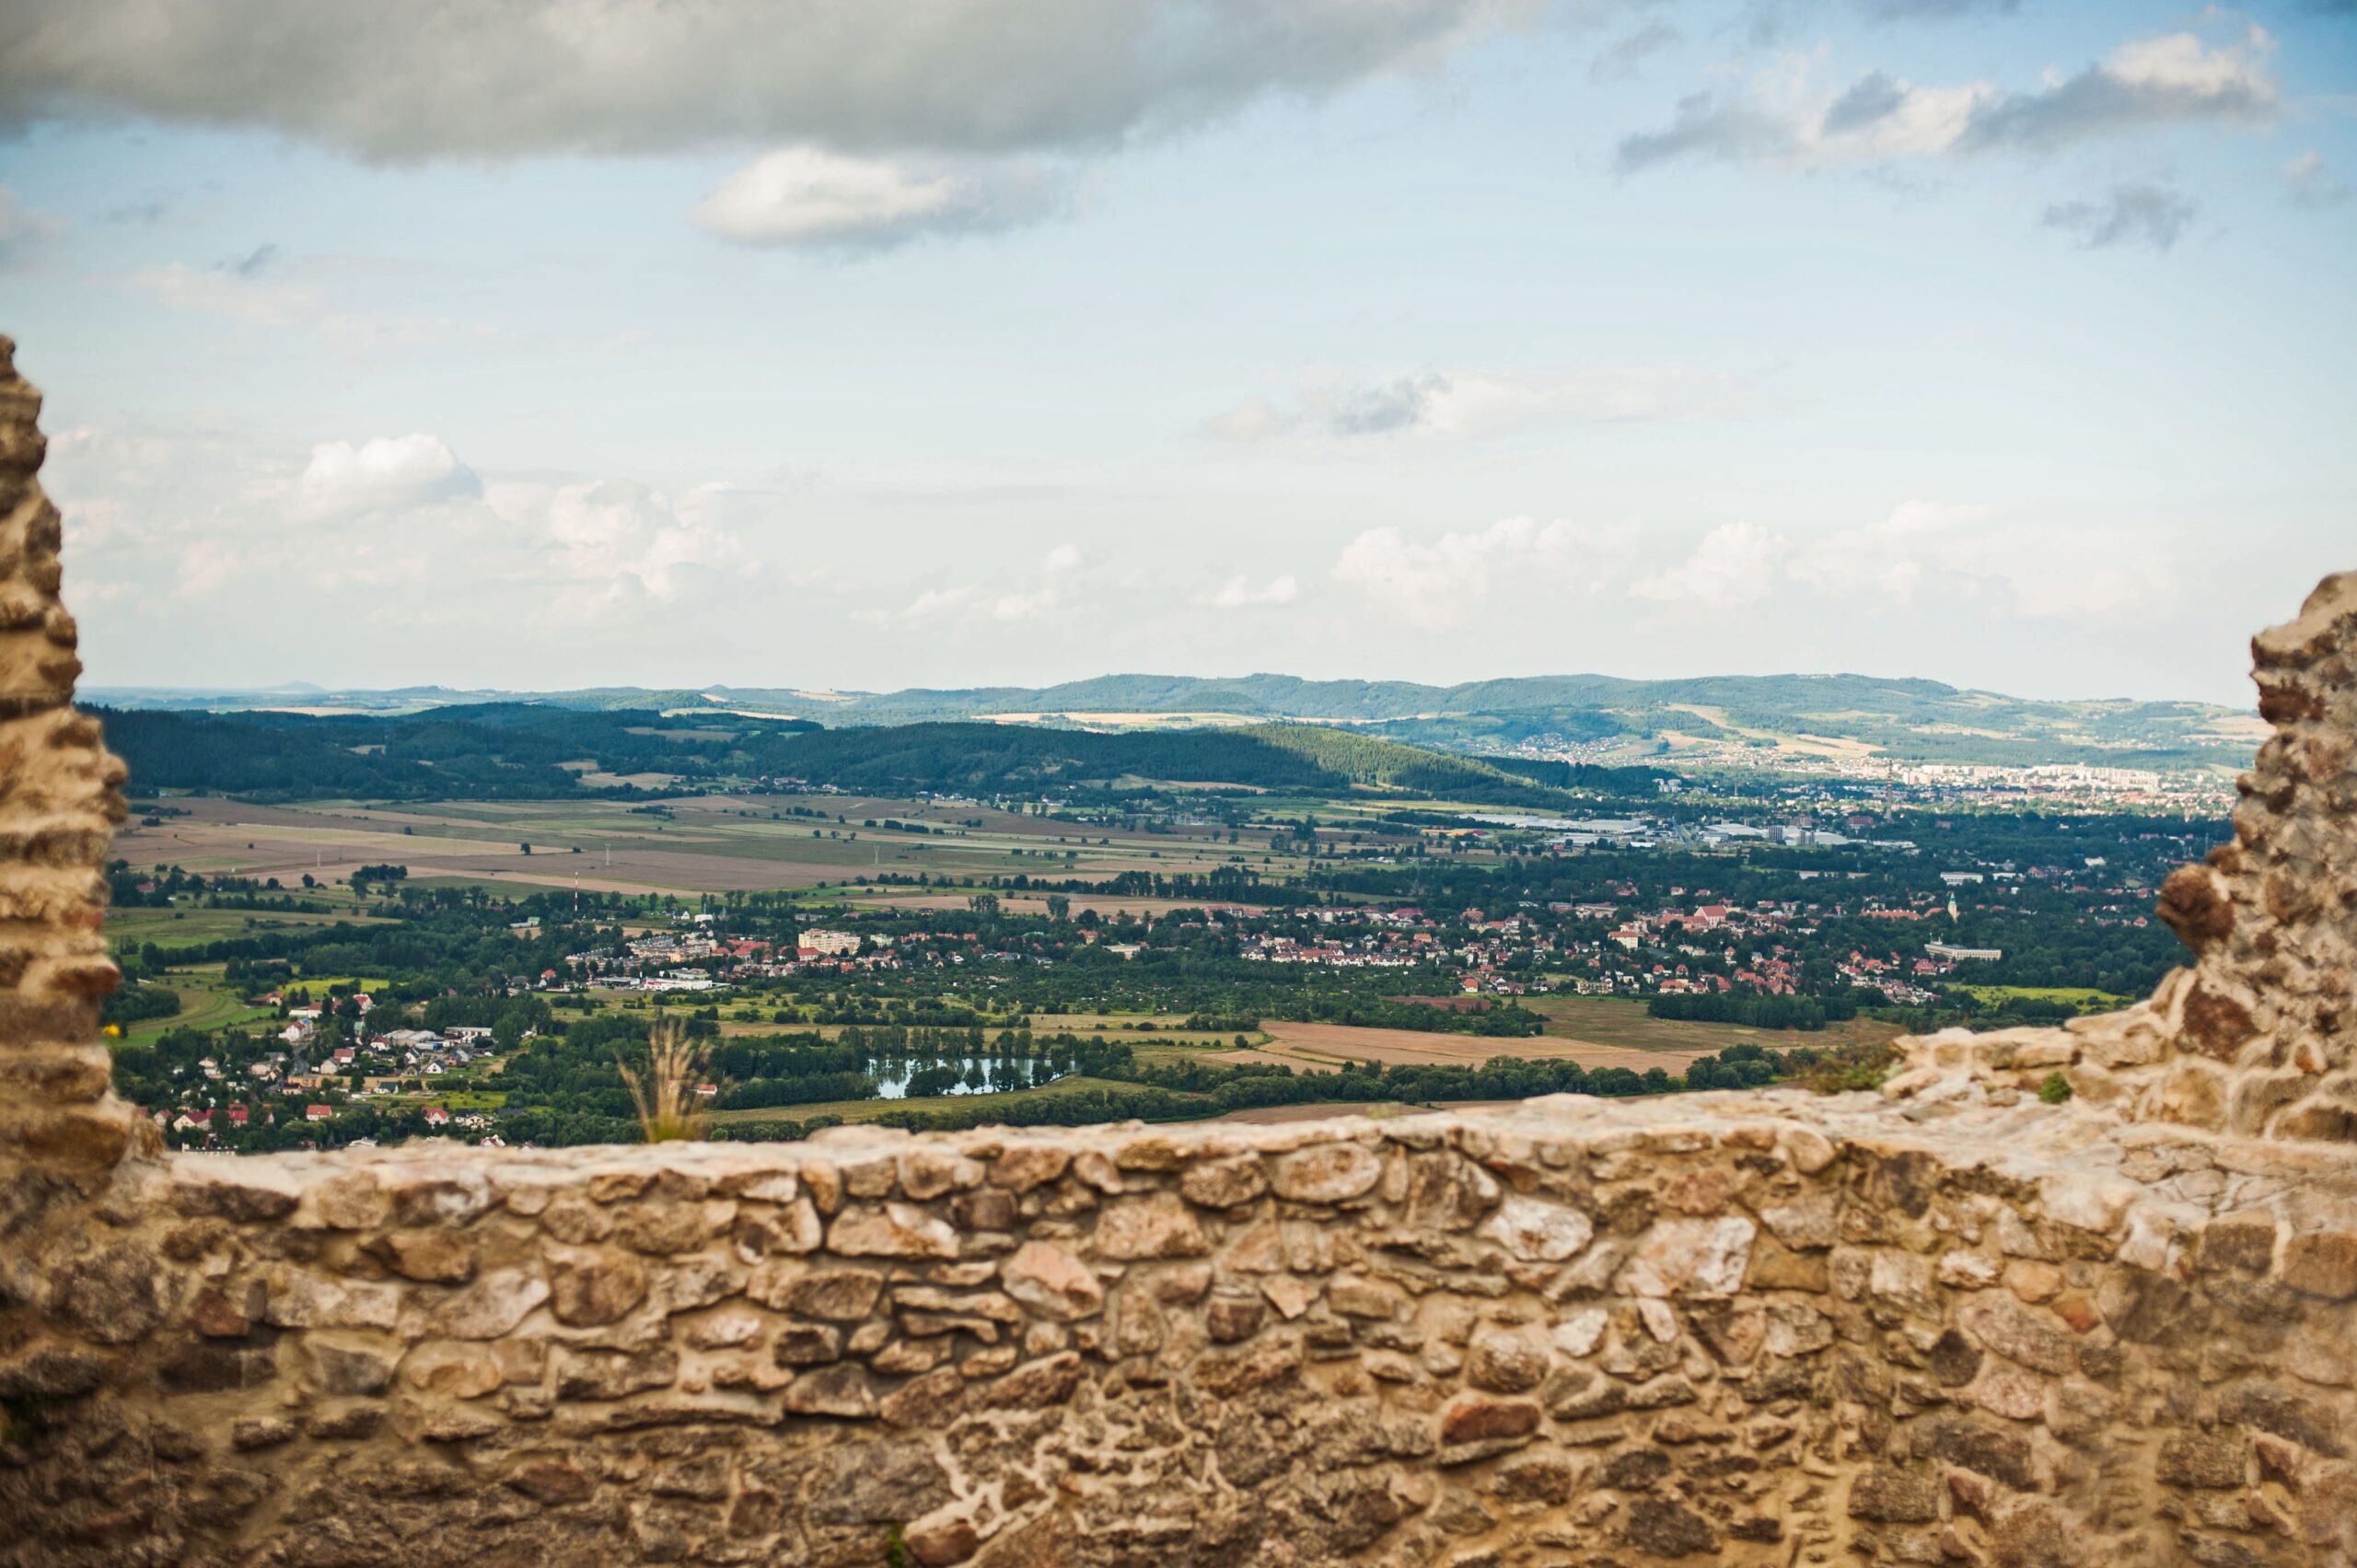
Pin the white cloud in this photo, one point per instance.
(1476, 404)
(806, 197)
(1435, 586)
(565, 76)
(926, 611)
(1734, 566)
(1255, 419)
(1027, 604)
(1882, 559)
(23, 230)
(1927, 552)
(217, 293)
(2151, 216)
(2151, 81)
(1045, 592)
(1785, 117)
(399, 523)
(1621, 61)
(207, 566)
(606, 543)
(2312, 182)
(260, 290)
(388, 473)
(1241, 592)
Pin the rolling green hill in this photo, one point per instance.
(1769, 715)
(523, 750)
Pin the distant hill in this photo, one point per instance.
(506, 750)
(1721, 718)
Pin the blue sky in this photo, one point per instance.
(1025, 340)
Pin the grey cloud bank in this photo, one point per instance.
(401, 84)
(2172, 79)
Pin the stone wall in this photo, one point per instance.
(1942, 1324)
(58, 807)
(1751, 1328)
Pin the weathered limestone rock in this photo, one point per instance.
(1539, 1232)
(588, 1287)
(297, 1299)
(892, 1230)
(1330, 1173)
(1051, 1281)
(490, 1308)
(844, 1296)
(1158, 1226)
(1691, 1258)
(1506, 1361)
(1223, 1184)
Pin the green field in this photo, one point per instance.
(205, 1003)
(174, 928)
(1614, 1020)
(705, 844)
(320, 984)
(2083, 998)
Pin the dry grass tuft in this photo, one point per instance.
(669, 1107)
(1853, 1064)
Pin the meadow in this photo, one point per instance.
(169, 929)
(1618, 1022)
(693, 845)
(2086, 999)
(207, 1002)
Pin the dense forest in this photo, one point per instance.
(489, 751)
(522, 750)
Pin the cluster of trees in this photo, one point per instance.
(134, 1003)
(382, 877)
(127, 888)
(459, 948)
(1753, 1009)
(1744, 1066)
(483, 752)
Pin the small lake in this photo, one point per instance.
(898, 1077)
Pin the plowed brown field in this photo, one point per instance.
(1328, 1044)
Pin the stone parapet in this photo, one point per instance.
(1746, 1328)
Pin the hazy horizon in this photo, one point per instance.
(2004, 346)
(99, 690)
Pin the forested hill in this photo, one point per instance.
(1920, 720)
(523, 750)
(1907, 718)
